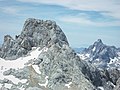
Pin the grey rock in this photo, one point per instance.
(117, 85)
(35, 33)
(7, 72)
(14, 88)
(113, 75)
(8, 43)
(5, 81)
(33, 88)
(60, 63)
(3, 88)
(109, 86)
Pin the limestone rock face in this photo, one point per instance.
(35, 33)
(56, 65)
(60, 65)
(56, 62)
(7, 44)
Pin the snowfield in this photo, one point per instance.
(19, 64)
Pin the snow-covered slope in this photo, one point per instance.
(18, 64)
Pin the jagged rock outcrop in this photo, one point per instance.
(101, 51)
(102, 55)
(56, 61)
(35, 33)
(59, 64)
(8, 43)
(103, 65)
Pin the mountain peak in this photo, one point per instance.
(102, 54)
(99, 41)
(35, 33)
(48, 63)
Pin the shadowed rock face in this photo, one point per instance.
(35, 33)
(101, 55)
(101, 51)
(106, 59)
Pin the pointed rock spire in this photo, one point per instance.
(98, 42)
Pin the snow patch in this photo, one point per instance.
(101, 88)
(113, 60)
(83, 56)
(68, 85)
(94, 49)
(13, 79)
(18, 64)
(36, 68)
(46, 83)
(8, 85)
(45, 49)
(87, 55)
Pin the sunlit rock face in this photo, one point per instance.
(41, 59)
(35, 33)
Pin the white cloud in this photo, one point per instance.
(13, 10)
(84, 20)
(10, 10)
(109, 7)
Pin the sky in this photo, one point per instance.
(83, 21)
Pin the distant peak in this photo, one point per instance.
(99, 40)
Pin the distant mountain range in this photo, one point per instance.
(101, 55)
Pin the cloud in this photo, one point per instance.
(107, 7)
(9, 10)
(83, 19)
(12, 7)
(13, 10)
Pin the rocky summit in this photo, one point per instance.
(40, 59)
(35, 33)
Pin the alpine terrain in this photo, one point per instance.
(40, 58)
(107, 60)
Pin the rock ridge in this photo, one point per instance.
(35, 33)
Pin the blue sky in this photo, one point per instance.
(83, 21)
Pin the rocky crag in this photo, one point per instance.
(107, 60)
(101, 55)
(40, 59)
(35, 33)
(57, 63)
